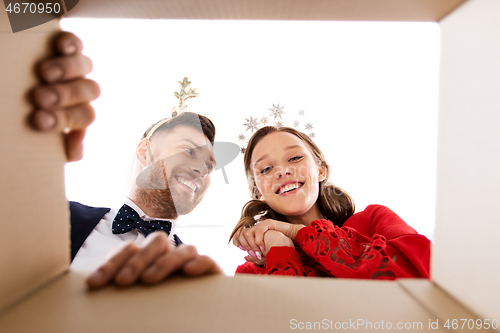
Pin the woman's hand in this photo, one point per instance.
(271, 238)
(255, 260)
(62, 101)
(275, 238)
(252, 239)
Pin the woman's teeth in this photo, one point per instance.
(186, 182)
(289, 187)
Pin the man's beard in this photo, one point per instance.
(154, 192)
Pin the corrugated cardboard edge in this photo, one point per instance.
(442, 305)
(465, 254)
(338, 10)
(34, 242)
(244, 303)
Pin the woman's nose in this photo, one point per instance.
(282, 172)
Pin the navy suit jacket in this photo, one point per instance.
(83, 220)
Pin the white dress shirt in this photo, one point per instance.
(101, 240)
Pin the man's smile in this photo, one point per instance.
(191, 185)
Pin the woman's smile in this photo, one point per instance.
(289, 188)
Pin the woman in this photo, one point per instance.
(298, 224)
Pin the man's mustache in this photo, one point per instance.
(153, 177)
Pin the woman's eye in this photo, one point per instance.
(189, 151)
(296, 158)
(265, 170)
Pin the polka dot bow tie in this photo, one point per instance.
(127, 219)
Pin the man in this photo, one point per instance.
(177, 152)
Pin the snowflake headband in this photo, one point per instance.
(253, 124)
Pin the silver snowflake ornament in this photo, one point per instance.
(279, 124)
(277, 111)
(296, 123)
(241, 137)
(309, 126)
(301, 112)
(264, 121)
(251, 124)
(242, 150)
(312, 135)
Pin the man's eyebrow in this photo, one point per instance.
(286, 148)
(188, 140)
(212, 159)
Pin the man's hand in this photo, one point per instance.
(156, 259)
(62, 101)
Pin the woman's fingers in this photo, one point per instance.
(259, 237)
(260, 262)
(243, 243)
(251, 240)
(236, 241)
(249, 235)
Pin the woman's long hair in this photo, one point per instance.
(333, 202)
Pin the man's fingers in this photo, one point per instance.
(74, 145)
(67, 94)
(155, 245)
(75, 117)
(201, 265)
(107, 271)
(65, 68)
(169, 263)
(67, 43)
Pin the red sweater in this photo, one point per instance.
(364, 248)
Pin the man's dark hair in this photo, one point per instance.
(191, 119)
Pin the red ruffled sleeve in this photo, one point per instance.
(281, 260)
(373, 244)
(413, 251)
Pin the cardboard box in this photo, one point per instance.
(464, 260)
(34, 240)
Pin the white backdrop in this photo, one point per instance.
(370, 90)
